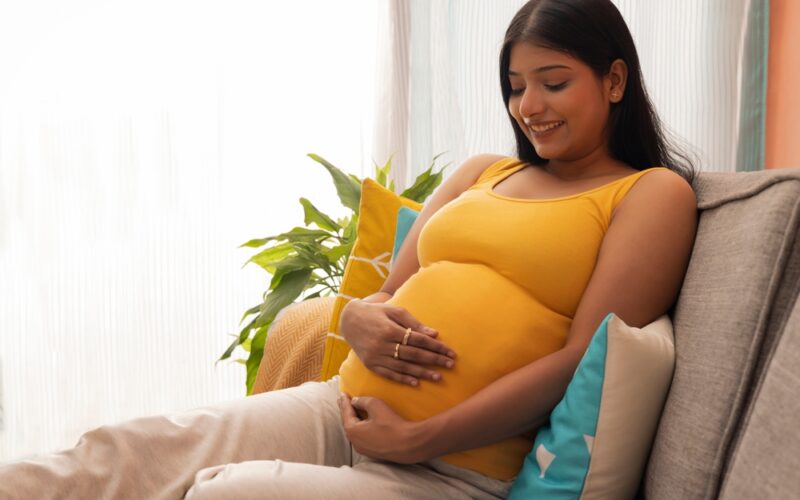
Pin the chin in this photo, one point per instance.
(545, 153)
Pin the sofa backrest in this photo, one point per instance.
(742, 282)
(766, 458)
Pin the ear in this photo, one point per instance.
(615, 81)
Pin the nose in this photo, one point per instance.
(532, 103)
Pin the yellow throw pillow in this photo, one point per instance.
(369, 262)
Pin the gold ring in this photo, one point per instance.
(405, 338)
(397, 351)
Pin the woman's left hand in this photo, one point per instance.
(382, 434)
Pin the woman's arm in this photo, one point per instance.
(638, 275)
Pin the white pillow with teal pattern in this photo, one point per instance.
(599, 436)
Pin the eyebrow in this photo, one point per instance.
(542, 69)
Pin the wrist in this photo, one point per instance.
(377, 297)
(427, 438)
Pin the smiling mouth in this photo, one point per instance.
(541, 129)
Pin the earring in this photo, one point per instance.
(615, 95)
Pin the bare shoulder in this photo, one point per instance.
(475, 165)
(660, 191)
(464, 176)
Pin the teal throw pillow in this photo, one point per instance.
(599, 435)
(405, 219)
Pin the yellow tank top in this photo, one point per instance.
(500, 278)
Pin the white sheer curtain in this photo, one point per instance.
(442, 92)
(140, 143)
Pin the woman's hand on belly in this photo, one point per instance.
(374, 331)
(376, 431)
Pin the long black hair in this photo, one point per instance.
(594, 32)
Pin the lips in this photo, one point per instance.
(539, 128)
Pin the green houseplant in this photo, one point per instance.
(309, 261)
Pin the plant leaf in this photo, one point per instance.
(351, 229)
(256, 354)
(288, 265)
(348, 189)
(425, 183)
(257, 242)
(297, 233)
(335, 253)
(250, 311)
(290, 286)
(313, 215)
(267, 258)
(312, 253)
(238, 340)
(381, 173)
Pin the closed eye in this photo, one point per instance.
(556, 87)
(551, 88)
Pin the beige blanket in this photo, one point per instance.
(295, 345)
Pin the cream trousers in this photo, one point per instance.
(286, 444)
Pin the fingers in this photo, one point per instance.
(408, 369)
(429, 344)
(405, 320)
(397, 377)
(348, 412)
(416, 371)
(421, 356)
(421, 335)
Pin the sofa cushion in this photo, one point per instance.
(596, 441)
(736, 296)
(767, 457)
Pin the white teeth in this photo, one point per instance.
(544, 128)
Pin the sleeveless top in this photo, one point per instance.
(500, 278)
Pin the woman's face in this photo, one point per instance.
(566, 105)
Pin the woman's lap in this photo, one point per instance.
(279, 444)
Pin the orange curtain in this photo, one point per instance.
(783, 86)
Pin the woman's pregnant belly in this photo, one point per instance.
(494, 326)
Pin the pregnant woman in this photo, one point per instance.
(491, 303)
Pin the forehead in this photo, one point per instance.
(527, 58)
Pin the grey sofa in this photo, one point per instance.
(729, 428)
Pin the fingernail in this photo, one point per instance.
(449, 364)
(451, 354)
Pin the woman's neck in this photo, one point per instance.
(595, 164)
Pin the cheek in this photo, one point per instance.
(585, 114)
(513, 109)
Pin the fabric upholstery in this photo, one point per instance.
(733, 305)
(295, 345)
(767, 458)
